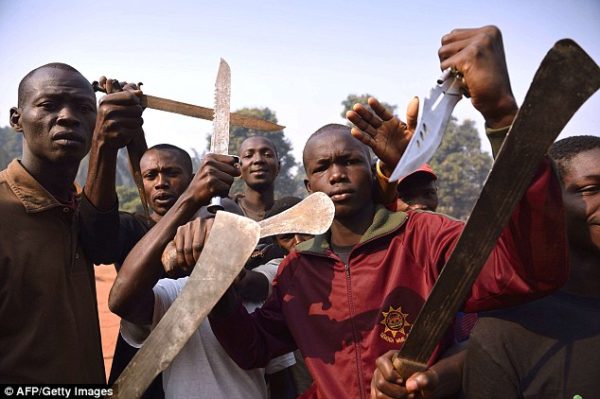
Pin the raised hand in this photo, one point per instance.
(119, 118)
(478, 54)
(387, 135)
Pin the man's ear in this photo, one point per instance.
(15, 119)
(307, 185)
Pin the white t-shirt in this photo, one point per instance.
(202, 369)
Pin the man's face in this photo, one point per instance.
(581, 197)
(338, 165)
(259, 165)
(422, 190)
(165, 178)
(57, 116)
(289, 241)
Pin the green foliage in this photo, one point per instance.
(461, 168)
(287, 182)
(352, 99)
(129, 199)
(11, 146)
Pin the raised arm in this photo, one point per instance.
(118, 121)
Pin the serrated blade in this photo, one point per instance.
(219, 142)
(437, 109)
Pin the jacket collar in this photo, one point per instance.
(384, 222)
(32, 195)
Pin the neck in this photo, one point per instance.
(584, 278)
(346, 231)
(57, 179)
(258, 202)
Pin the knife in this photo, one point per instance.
(437, 109)
(219, 141)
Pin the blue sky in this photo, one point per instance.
(301, 59)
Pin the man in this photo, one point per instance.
(548, 348)
(346, 297)
(51, 234)
(166, 172)
(202, 367)
(419, 189)
(259, 166)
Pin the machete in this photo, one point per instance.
(566, 78)
(299, 219)
(196, 111)
(218, 265)
(219, 140)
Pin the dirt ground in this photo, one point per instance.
(109, 322)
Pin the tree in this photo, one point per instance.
(461, 168)
(129, 199)
(290, 178)
(352, 99)
(11, 146)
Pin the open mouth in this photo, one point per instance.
(163, 198)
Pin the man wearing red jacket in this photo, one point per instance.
(346, 297)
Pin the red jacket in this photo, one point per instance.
(342, 317)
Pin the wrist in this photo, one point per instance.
(383, 171)
(502, 114)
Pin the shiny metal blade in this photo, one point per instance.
(437, 109)
(219, 142)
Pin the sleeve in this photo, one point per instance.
(165, 293)
(530, 259)
(98, 231)
(265, 333)
(496, 138)
(484, 377)
(269, 270)
(280, 363)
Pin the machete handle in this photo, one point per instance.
(406, 367)
(215, 205)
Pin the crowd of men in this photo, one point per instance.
(319, 317)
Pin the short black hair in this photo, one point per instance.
(185, 157)
(282, 204)
(329, 128)
(53, 65)
(271, 143)
(564, 150)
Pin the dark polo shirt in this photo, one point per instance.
(49, 330)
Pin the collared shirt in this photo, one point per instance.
(49, 330)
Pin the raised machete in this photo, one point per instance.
(218, 265)
(219, 141)
(566, 78)
(299, 219)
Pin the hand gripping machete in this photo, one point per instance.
(218, 265)
(299, 219)
(219, 141)
(566, 78)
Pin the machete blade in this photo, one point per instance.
(299, 219)
(566, 78)
(219, 263)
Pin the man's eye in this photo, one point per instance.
(86, 108)
(591, 189)
(48, 105)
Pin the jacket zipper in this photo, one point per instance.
(355, 334)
